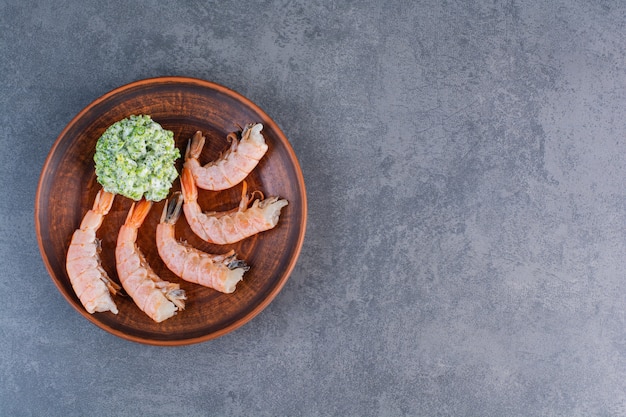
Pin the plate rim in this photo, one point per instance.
(201, 83)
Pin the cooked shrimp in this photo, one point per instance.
(157, 298)
(90, 281)
(220, 272)
(229, 226)
(233, 165)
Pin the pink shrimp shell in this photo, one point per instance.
(233, 166)
(220, 272)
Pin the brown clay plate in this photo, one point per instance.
(68, 185)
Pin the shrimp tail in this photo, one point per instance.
(101, 206)
(172, 209)
(103, 202)
(195, 145)
(188, 185)
(138, 212)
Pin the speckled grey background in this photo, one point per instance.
(465, 166)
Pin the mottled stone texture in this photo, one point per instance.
(465, 169)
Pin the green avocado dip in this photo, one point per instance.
(135, 158)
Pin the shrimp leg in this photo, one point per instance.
(220, 272)
(157, 298)
(229, 226)
(90, 281)
(233, 166)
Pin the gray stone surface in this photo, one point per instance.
(465, 169)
